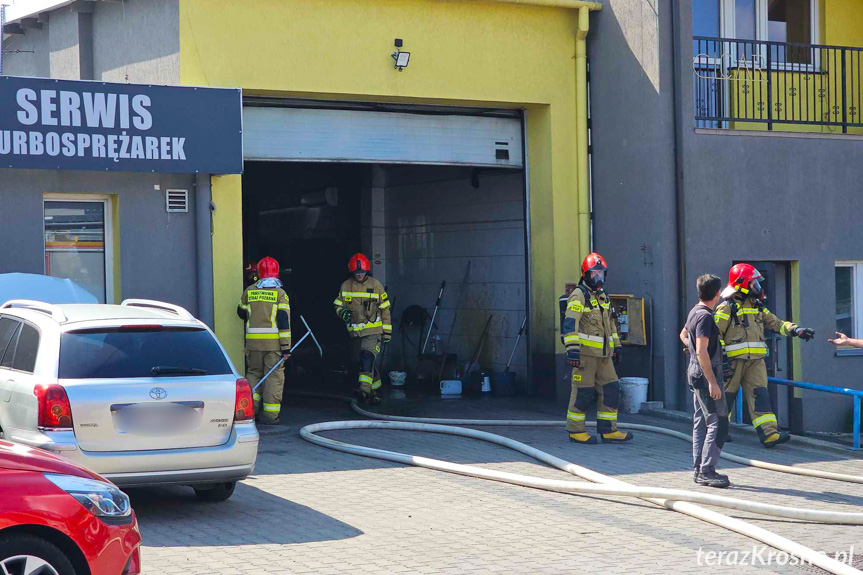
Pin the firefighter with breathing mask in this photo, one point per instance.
(592, 349)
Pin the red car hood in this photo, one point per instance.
(24, 458)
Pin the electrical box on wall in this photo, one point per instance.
(629, 312)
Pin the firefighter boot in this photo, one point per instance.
(584, 438)
(775, 439)
(710, 478)
(616, 437)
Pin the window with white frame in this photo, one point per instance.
(78, 242)
(793, 21)
(849, 298)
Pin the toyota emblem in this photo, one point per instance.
(158, 393)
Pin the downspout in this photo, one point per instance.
(582, 158)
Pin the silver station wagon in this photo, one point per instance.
(142, 393)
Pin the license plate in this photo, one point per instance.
(159, 420)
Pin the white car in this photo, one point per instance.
(142, 393)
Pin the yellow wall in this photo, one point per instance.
(842, 23)
(463, 52)
(228, 263)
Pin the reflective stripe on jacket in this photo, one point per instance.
(267, 312)
(743, 337)
(588, 325)
(369, 305)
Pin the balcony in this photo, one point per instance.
(758, 85)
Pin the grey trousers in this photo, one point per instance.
(709, 427)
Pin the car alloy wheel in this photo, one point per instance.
(26, 565)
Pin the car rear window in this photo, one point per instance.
(134, 352)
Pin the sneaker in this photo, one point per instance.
(710, 478)
(585, 438)
(616, 437)
(775, 439)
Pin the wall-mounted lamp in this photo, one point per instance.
(401, 58)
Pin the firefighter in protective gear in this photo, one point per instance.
(742, 318)
(364, 306)
(592, 349)
(267, 312)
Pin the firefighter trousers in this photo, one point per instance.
(752, 376)
(364, 352)
(594, 380)
(269, 395)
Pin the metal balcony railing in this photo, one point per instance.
(749, 84)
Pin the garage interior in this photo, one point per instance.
(428, 194)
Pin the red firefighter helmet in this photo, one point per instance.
(746, 279)
(268, 268)
(593, 270)
(359, 263)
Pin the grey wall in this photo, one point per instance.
(81, 42)
(436, 223)
(157, 250)
(775, 197)
(630, 50)
(148, 30)
(33, 58)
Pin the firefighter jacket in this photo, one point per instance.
(588, 325)
(267, 312)
(369, 305)
(742, 322)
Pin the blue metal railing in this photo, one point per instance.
(855, 393)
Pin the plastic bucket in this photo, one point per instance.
(633, 392)
(450, 388)
(397, 378)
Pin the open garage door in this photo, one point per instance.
(428, 196)
(361, 136)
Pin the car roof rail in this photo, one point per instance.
(152, 304)
(47, 308)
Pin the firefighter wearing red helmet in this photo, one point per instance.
(742, 318)
(364, 306)
(592, 349)
(266, 310)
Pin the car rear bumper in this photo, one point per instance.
(232, 461)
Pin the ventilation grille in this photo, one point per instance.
(177, 200)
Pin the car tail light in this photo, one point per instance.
(244, 406)
(53, 406)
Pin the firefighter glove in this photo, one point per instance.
(615, 356)
(345, 314)
(573, 357)
(386, 338)
(727, 369)
(804, 333)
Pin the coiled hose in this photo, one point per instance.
(676, 499)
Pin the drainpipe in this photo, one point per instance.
(582, 158)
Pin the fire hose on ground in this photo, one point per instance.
(679, 500)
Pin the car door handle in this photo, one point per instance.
(6, 386)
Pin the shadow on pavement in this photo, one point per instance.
(173, 517)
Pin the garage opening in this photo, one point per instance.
(420, 224)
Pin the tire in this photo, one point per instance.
(19, 549)
(215, 493)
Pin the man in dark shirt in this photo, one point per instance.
(704, 376)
